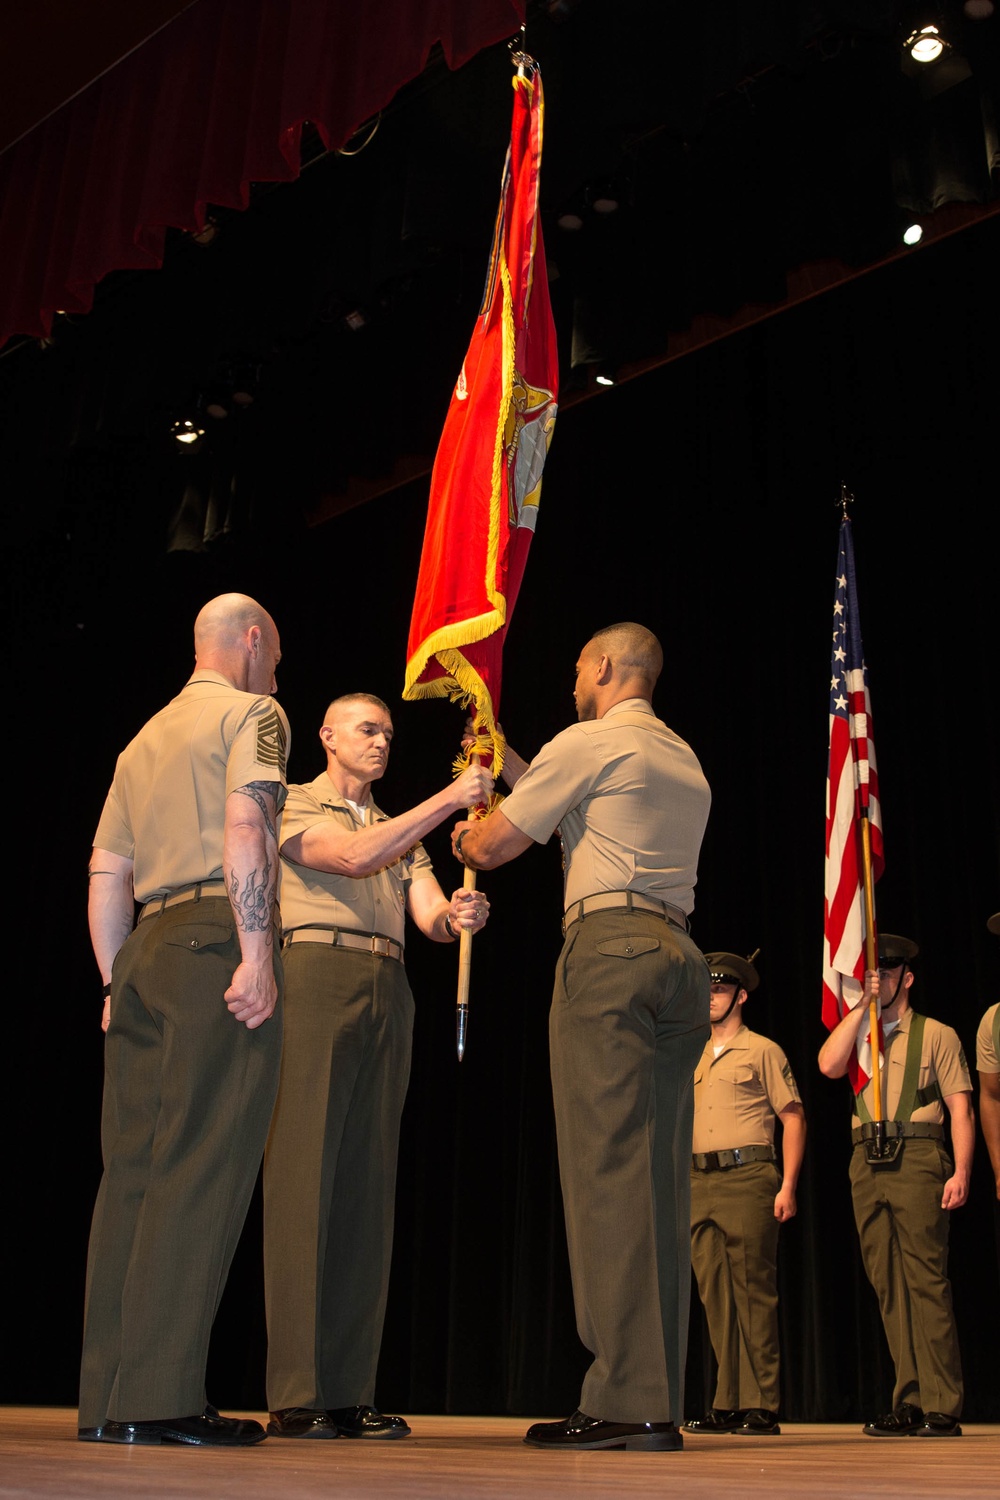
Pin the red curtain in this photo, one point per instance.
(212, 103)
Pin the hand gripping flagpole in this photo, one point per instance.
(465, 955)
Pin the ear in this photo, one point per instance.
(907, 979)
(605, 671)
(741, 997)
(328, 737)
(253, 639)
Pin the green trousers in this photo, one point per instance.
(734, 1252)
(904, 1245)
(188, 1094)
(330, 1174)
(629, 1021)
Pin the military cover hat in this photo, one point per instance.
(729, 966)
(894, 950)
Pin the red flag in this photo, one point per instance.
(488, 471)
(851, 796)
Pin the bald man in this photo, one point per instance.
(189, 831)
(629, 1019)
(350, 874)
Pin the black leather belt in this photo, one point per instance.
(918, 1130)
(181, 897)
(623, 900)
(336, 937)
(739, 1156)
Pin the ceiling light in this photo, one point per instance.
(925, 45)
(187, 430)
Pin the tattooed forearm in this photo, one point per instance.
(253, 901)
(261, 792)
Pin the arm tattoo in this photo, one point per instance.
(262, 792)
(254, 903)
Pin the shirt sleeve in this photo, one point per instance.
(114, 832)
(561, 775)
(986, 1053)
(302, 811)
(779, 1080)
(950, 1067)
(259, 751)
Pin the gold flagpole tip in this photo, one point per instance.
(844, 499)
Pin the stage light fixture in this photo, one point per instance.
(606, 375)
(187, 431)
(926, 44)
(913, 234)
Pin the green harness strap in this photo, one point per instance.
(910, 1097)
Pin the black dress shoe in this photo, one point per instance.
(581, 1431)
(936, 1424)
(301, 1422)
(207, 1431)
(716, 1419)
(759, 1422)
(366, 1422)
(900, 1422)
(90, 1434)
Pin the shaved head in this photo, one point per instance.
(236, 636)
(224, 621)
(633, 650)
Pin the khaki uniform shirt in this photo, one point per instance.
(738, 1094)
(371, 903)
(166, 809)
(941, 1060)
(629, 799)
(987, 1044)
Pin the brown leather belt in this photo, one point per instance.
(186, 893)
(913, 1130)
(336, 937)
(623, 900)
(739, 1156)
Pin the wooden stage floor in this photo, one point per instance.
(473, 1456)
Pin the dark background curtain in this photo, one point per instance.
(699, 500)
(210, 105)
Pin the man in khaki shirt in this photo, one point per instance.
(628, 1022)
(739, 1198)
(349, 875)
(193, 1040)
(901, 1206)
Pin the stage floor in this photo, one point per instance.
(471, 1456)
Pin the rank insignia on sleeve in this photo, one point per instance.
(272, 742)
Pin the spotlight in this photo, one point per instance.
(187, 431)
(606, 375)
(913, 234)
(926, 44)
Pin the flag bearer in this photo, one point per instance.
(903, 1192)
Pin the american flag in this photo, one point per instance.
(851, 794)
